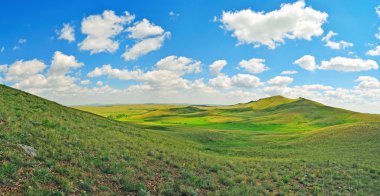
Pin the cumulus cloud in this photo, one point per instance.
(245, 81)
(168, 67)
(143, 29)
(238, 80)
(41, 82)
(333, 44)
(280, 81)
(23, 69)
(254, 65)
(338, 63)
(144, 47)
(121, 74)
(67, 33)
(307, 62)
(164, 80)
(289, 72)
(150, 37)
(101, 31)
(348, 64)
(378, 10)
(85, 82)
(217, 66)
(221, 81)
(291, 21)
(374, 52)
(166, 76)
(31, 75)
(3, 68)
(368, 82)
(179, 65)
(62, 63)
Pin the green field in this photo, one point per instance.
(273, 146)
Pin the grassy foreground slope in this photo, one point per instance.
(82, 153)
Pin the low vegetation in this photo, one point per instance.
(274, 146)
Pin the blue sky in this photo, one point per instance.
(189, 36)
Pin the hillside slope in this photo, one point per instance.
(82, 153)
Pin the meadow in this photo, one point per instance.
(273, 146)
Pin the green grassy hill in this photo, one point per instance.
(274, 146)
(268, 102)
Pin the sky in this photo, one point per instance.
(196, 52)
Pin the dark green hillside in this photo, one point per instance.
(82, 153)
(186, 110)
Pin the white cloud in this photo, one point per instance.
(291, 21)
(23, 69)
(348, 64)
(245, 81)
(32, 76)
(115, 73)
(337, 63)
(62, 63)
(144, 47)
(254, 65)
(307, 62)
(335, 45)
(367, 82)
(144, 29)
(3, 68)
(22, 41)
(41, 82)
(221, 81)
(85, 82)
(164, 80)
(101, 30)
(374, 52)
(179, 65)
(171, 13)
(280, 81)
(289, 72)
(217, 66)
(67, 33)
(167, 75)
(238, 80)
(378, 10)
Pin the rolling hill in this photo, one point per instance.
(273, 146)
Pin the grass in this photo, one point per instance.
(295, 147)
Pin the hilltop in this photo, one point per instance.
(268, 102)
(292, 147)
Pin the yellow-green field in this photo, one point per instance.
(274, 146)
